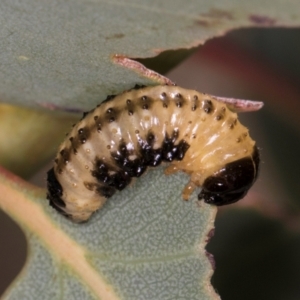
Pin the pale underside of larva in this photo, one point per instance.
(143, 127)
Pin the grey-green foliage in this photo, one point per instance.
(146, 241)
(58, 54)
(45, 278)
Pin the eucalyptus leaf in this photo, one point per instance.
(60, 54)
(145, 243)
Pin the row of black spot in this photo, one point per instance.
(55, 192)
(112, 115)
(118, 176)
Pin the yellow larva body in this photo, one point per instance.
(120, 138)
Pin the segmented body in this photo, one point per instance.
(143, 127)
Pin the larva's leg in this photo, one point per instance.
(188, 190)
(171, 169)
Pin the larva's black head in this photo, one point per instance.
(232, 182)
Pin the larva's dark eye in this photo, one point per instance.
(232, 182)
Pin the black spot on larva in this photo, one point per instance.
(146, 102)
(74, 144)
(58, 209)
(100, 171)
(169, 149)
(221, 114)
(108, 98)
(90, 185)
(133, 167)
(106, 191)
(112, 114)
(164, 99)
(182, 147)
(150, 138)
(83, 134)
(98, 124)
(110, 176)
(120, 180)
(231, 183)
(179, 100)
(163, 95)
(130, 106)
(195, 102)
(232, 123)
(207, 106)
(138, 86)
(65, 155)
(84, 114)
(55, 192)
(151, 157)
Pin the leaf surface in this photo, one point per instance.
(145, 243)
(69, 55)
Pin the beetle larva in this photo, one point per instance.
(143, 127)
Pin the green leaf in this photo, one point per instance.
(63, 55)
(145, 243)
